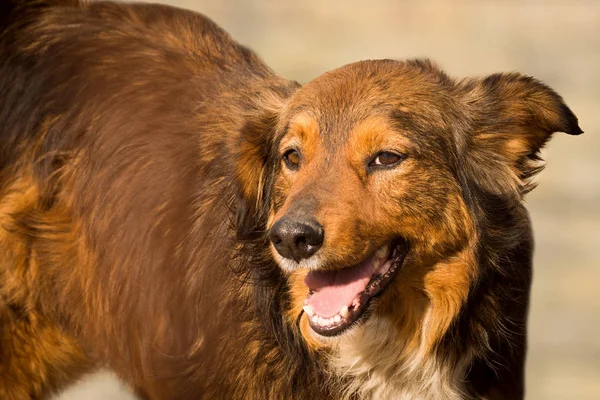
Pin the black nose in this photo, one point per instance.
(296, 238)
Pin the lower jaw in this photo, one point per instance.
(357, 316)
(366, 302)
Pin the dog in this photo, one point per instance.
(174, 210)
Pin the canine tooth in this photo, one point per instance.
(337, 319)
(309, 311)
(344, 312)
(382, 252)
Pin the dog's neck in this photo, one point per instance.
(394, 354)
(373, 362)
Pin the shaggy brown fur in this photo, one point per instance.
(141, 169)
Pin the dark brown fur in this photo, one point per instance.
(140, 170)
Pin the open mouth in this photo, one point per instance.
(338, 299)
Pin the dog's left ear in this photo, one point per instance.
(512, 117)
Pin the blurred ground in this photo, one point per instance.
(555, 41)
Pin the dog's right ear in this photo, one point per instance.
(254, 173)
(257, 161)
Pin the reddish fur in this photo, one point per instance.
(140, 168)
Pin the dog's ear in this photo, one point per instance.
(254, 173)
(512, 117)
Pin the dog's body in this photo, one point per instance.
(147, 160)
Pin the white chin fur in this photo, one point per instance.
(334, 340)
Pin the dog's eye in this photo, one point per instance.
(292, 159)
(386, 159)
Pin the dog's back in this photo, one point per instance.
(119, 134)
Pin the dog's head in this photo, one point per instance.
(370, 177)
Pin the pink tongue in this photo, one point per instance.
(336, 289)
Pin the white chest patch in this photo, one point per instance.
(372, 363)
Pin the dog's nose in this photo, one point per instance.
(296, 238)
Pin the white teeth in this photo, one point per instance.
(309, 311)
(385, 268)
(327, 322)
(382, 252)
(344, 312)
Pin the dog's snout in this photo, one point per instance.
(296, 238)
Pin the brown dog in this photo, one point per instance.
(174, 210)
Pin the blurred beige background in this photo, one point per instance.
(557, 41)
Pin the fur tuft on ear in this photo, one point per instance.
(253, 171)
(256, 160)
(513, 116)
